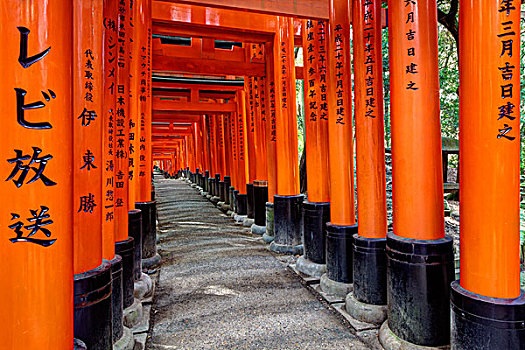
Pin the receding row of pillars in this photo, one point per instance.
(79, 215)
(405, 274)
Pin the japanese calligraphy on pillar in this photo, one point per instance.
(339, 59)
(110, 79)
(28, 166)
(508, 35)
(273, 125)
(372, 68)
(411, 54)
(122, 115)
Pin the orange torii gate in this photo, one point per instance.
(57, 183)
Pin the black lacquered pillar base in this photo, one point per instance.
(149, 230)
(250, 202)
(288, 224)
(367, 302)
(419, 273)
(92, 303)
(480, 322)
(222, 193)
(369, 270)
(315, 217)
(339, 274)
(217, 183)
(135, 231)
(232, 199)
(116, 297)
(126, 250)
(227, 186)
(205, 181)
(241, 202)
(211, 187)
(260, 197)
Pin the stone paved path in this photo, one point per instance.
(220, 288)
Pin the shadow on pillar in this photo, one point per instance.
(135, 231)
(250, 201)
(126, 249)
(480, 322)
(116, 297)
(339, 274)
(368, 300)
(315, 217)
(419, 273)
(150, 257)
(260, 197)
(288, 224)
(241, 201)
(93, 309)
(227, 186)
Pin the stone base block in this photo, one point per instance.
(267, 238)
(143, 287)
(390, 341)
(248, 222)
(369, 313)
(258, 230)
(226, 208)
(230, 213)
(215, 200)
(133, 315)
(126, 342)
(239, 218)
(310, 268)
(339, 289)
(152, 262)
(79, 344)
(286, 249)
(208, 196)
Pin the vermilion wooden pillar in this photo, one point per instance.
(221, 150)
(287, 208)
(342, 225)
(369, 256)
(416, 163)
(250, 143)
(143, 162)
(93, 321)
(260, 185)
(487, 302)
(206, 149)
(227, 158)
(317, 208)
(235, 161)
(107, 194)
(214, 165)
(240, 128)
(124, 245)
(37, 154)
(271, 140)
(134, 215)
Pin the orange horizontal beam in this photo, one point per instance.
(217, 88)
(314, 9)
(174, 118)
(165, 12)
(207, 66)
(195, 107)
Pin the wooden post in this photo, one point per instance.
(489, 130)
(417, 181)
(369, 257)
(287, 208)
(317, 208)
(37, 168)
(342, 225)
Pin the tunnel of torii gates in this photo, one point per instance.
(96, 92)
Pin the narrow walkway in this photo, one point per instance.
(220, 288)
